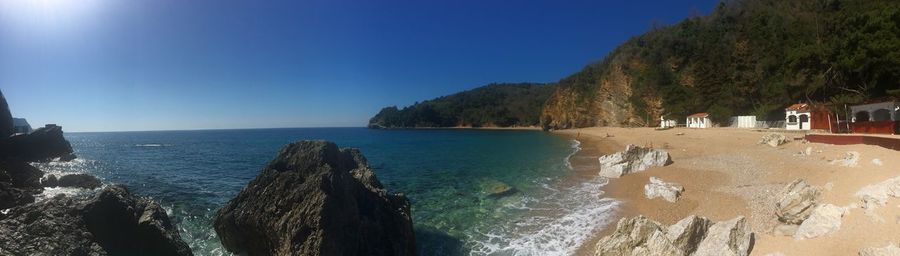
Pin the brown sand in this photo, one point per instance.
(725, 173)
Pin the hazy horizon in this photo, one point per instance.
(104, 65)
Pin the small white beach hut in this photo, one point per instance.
(666, 123)
(797, 117)
(698, 120)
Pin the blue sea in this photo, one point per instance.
(443, 172)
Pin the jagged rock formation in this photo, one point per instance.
(797, 201)
(6, 121)
(633, 159)
(316, 199)
(658, 188)
(690, 236)
(112, 222)
(43, 144)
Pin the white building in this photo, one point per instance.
(797, 117)
(664, 123)
(698, 120)
(876, 112)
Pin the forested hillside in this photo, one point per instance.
(494, 105)
(749, 57)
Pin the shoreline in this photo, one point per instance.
(726, 174)
(511, 128)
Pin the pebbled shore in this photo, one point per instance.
(725, 173)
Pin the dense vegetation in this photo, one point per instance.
(748, 57)
(500, 105)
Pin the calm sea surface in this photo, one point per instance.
(444, 173)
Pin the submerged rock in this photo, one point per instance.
(690, 236)
(633, 159)
(494, 188)
(824, 220)
(112, 222)
(773, 139)
(316, 199)
(658, 188)
(796, 202)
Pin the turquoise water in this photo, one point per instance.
(445, 173)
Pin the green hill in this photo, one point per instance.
(747, 57)
(494, 105)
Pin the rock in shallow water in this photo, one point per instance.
(77, 180)
(633, 159)
(316, 199)
(112, 222)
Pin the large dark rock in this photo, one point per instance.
(6, 122)
(316, 199)
(44, 144)
(112, 222)
(78, 180)
(19, 181)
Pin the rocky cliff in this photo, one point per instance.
(111, 221)
(316, 199)
(747, 57)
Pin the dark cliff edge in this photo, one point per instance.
(107, 221)
(494, 105)
(316, 199)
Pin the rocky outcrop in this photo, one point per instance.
(658, 188)
(41, 145)
(875, 195)
(825, 219)
(6, 119)
(78, 180)
(796, 202)
(773, 139)
(690, 236)
(112, 222)
(316, 199)
(19, 182)
(633, 159)
(889, 250)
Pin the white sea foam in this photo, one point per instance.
(152, 145)
(557, 223)
(577, 146)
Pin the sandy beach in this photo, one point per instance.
(726, 173)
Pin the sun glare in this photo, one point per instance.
(54, 15)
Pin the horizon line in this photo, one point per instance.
(216, 129)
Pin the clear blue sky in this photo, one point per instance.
(110, 65)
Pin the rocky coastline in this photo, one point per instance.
(108, 221)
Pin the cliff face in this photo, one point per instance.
(316, 199)
(748, 57)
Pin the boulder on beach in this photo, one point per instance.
(316, 199)
(633, 159)
(850, 159)
(773, 139)
(876, 195)
(111, 222)
(796, 202)
(825, 219)
(690, 236)
(666, 190)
